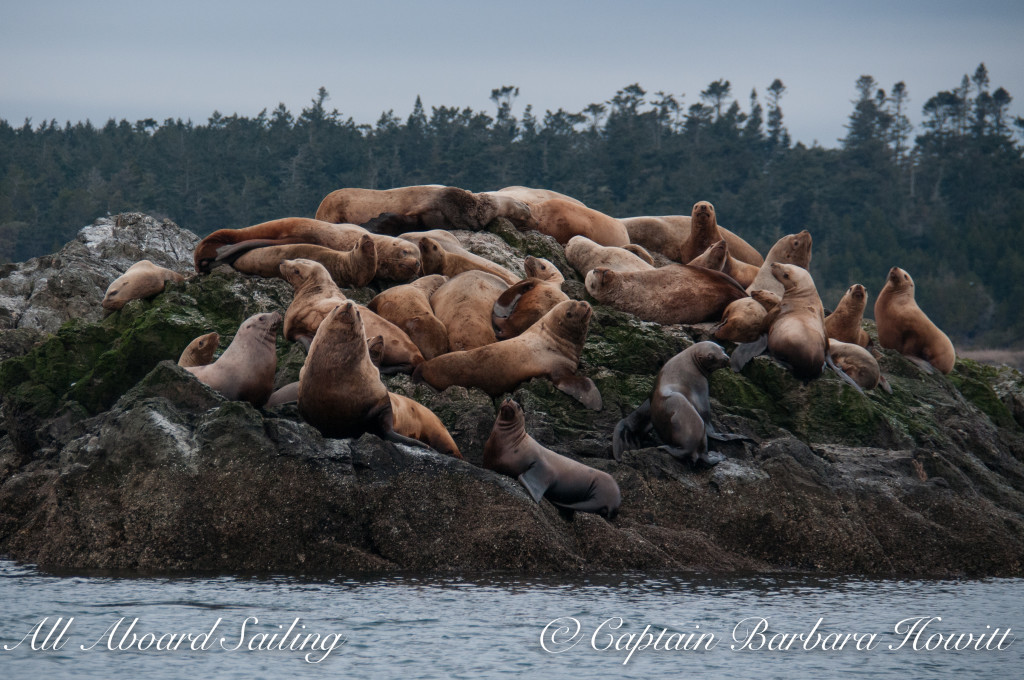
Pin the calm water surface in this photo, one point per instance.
(498, 626)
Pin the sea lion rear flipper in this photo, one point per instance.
(841, 373)
(712, 433)
(538, 478)
(922, 364)
(746, 351)
(640, 252)
(580, 388)
(628, 431)
(391, 224)
(393, 436)
(229, 253)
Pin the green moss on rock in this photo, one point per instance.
(974, 381)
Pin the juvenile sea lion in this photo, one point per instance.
(585, 255)
(434, 259)
(522, 305)
(679, 407)
(551, 348)
(704, 233)
(245, 371)
(667, 234)
(397, 260)
(351, 268)
(902, 325)
(564, 219)
(712, 258)
(316, 295)
(510, 451)
(797, 336)
(858, 363)
(539, 268)
(790, 249)
(844, 323)
(416, 421)
(200, 351)
(465, 304)
(676, 293)
(430, 206)
(408, 307)
(142, 280)
(742, 321)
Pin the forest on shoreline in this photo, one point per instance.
(944, 201)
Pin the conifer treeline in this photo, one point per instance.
(946, 203)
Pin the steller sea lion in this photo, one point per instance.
(844, 324)
(430, 206)
(703, 234)
(350, 268)
(434, 259)
(791, 249)
(668, 233)
(413, 419)
(585, 255)
(140, 281)
(522, 305)
(539, 268)
(857, 363)
(465, 304)
(408, 307)
(679, 408)
(677, 293)
(316, 295)
(551, 347)
(245, 371)
(564, 219)
(569, 484)
(200, 351)
(742, 321)
(397, 260)
(797, 336)
(902, 325)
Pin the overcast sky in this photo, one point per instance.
(73, 60)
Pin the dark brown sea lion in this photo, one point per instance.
(677, 293)
(351, 268)
(397, 259)
(902, 325)
(510, 451)
(791, 249)
(200, 351)
(564, 219)
(316, 295)
(245, 371)
(679, 407)
(585, 255)
(434, 259)
(667, 234)
(844, 324)
(408, 307)
(140, 281)
(551, 348)
(430, 206)
(522, 305)
(465, 304)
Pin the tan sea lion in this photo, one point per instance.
(792, 249)
(465, 304)
(522, 305)
(569, 484)
(585, 255)
(564, 219)
(351, 268)
(712, 258)
(200, 351)
(551, 348)
(316, 295)
(742, 321)
(430, 206)
(667, 234)
(679, 408)
(408, 307)
(797, 336)
(704, 233)
(451, 244)
(245, 371)
(902, 325)
(858, 363)
(434, 259)
(397, 259)
(288, 393)
(673, 294)
(844, 324)
(416, 421)
(140, 281)
(532, 197)
(539, 268)
(769, 300)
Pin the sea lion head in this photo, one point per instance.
(899, 281)
(297, 271)
(205, 346)
(264, 326)
(142, 280)
(498, 205)
(569, 320)
(714, 257)
(510, 412)
(431, 256)
(539, 268)
(791, 276)
(767, 298)
(709, 356)
(600, 279)
(857, 293)
(794, 249)
(341, 327)
(397, 259)
(703, 212)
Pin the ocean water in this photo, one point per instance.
(86, 625)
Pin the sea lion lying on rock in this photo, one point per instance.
(142, 280)
(350, 268)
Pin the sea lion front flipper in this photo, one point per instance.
(841, 373)
(629, 430)
(391, 224)
(884, 384)
(922, 364)
(746, 351)
(538, 478)
(580, 388)
(375, 347)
